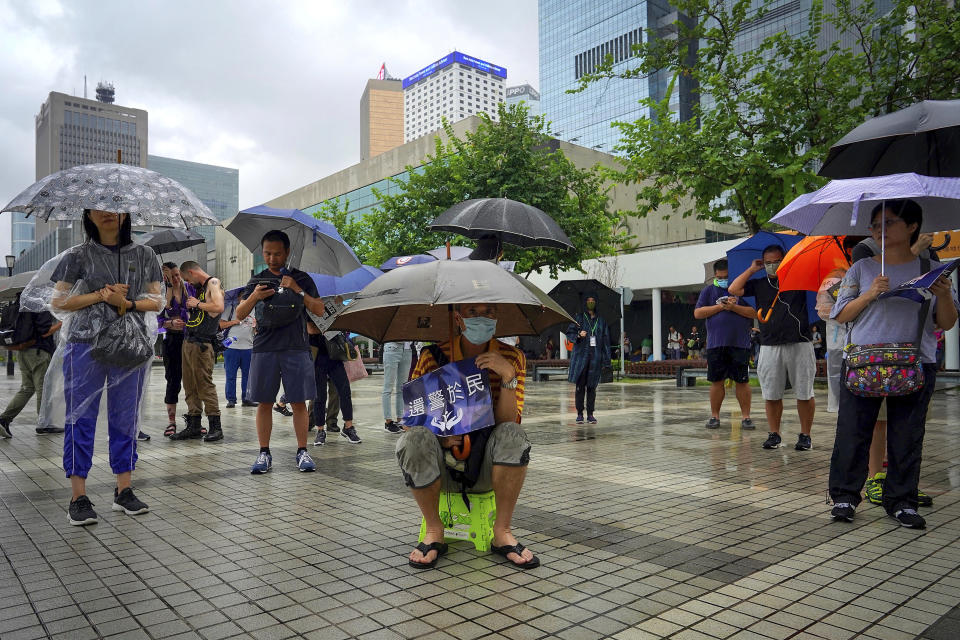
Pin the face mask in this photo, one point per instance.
(591, 305)
(479, 330)
(771, 269)
(721, 282)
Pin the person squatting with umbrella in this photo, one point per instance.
(877, 321)
(424, 457)
(590, 336)
(93, 300)
(199, 355)
(172, 321)
(278, 296)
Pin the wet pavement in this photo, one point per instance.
(647, 525)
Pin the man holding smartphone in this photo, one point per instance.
(728, 344)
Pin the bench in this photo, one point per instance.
(687, 376)
(372, 364)
(541, 370)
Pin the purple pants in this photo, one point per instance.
(83, 382)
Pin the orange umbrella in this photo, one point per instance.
(809, 261)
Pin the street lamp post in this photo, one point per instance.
(11, 260)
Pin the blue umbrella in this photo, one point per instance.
(403, 261)
(315, 245)
(349, 284)
(741, 256)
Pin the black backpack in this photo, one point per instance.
(8, 323)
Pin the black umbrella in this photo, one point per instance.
(924, 138)
(412, 303)
(571, 295)
(169, 240)
(510, 221)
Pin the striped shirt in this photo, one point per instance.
(514, 356)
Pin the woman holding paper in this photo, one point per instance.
(874, 321)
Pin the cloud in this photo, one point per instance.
(270, 88)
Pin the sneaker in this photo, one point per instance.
(128, 503)
(713, 423)
(231, 404)
(772, 441)
(924, 500)
(247, 403)
(747, 423)
(81, 512)
(305, 462)
(333, 428)
(45, 430)
(392, 427)
(842, 512)
(579, 418)
(350, 433)
(321, 438)
(263, 463)
(910, 519)
(874, 488)
(143, 437)
(803, 443)
(282, 410)
(5, 429)
(591, 420)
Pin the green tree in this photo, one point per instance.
(509, 158)
(767, 117)
(354, 230)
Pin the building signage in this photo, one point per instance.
(449, 59)
(523, 90)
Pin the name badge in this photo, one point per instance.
(593, 341)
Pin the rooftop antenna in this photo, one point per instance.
(105, 92)
(84, 86)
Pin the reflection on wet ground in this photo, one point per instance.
(648, 526)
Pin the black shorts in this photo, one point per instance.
(728, 362)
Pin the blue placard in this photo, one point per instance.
(449, 59)
(452, 400)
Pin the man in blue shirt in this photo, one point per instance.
(728, 344)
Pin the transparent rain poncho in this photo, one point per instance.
(101, 356)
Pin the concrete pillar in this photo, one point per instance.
(657, 329)
(951, 341)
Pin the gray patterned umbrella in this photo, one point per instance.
(148, 197)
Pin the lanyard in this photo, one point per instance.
(593, 330)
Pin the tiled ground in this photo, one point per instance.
(648, 526)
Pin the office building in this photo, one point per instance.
(526, 94)
(72, 131)
(575, 37)
(217, 187)
(454, 87)
(381, 116)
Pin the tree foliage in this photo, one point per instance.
(509, 158)
(767, 117)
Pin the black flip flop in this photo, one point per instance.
(518, 549)
(424, 548)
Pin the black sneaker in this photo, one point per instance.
(247, 403)
(143, 437)
(128, 503)
(713, 423)
(321, 438)
(392, 427)
(842, 512)
(351, 435)
(772, 441)
(747, 423)
(81, 512)
(231, 405)
(45, 430)
(282, 410)
(333, 428)
(5, 429)
(909, 518)
(803, 443)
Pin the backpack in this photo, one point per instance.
(8, 323)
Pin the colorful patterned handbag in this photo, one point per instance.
(880, 370)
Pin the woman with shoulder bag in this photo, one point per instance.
(328, 364)
(887, 328)
(105, 288)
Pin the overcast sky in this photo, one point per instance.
(272, 88)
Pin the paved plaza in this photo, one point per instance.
(647, 524)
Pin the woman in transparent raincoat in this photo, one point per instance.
(107, 291)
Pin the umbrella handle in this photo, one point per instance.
(765, 317)
(943, 245)
(464, 453)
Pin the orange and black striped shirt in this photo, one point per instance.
(514, 356)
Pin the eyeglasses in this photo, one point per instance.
(877, 226)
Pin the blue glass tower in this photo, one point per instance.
(217, 187)
(575, 36)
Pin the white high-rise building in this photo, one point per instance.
(527, 95)
(454, 87)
